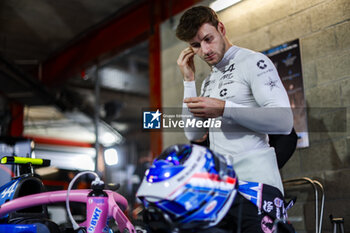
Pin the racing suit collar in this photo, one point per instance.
(229, 55)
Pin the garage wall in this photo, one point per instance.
(323, 27)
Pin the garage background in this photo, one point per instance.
(74, 70)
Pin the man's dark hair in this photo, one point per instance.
(193, 19)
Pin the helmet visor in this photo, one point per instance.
(177, 154)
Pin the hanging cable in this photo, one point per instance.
(97, 179)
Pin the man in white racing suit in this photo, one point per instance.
(245, 92)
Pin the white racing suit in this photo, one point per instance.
(256, 104)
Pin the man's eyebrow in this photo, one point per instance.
(206, 36)
(196, 42)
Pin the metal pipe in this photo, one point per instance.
(306, 179)
(322, 204)
(97, 114)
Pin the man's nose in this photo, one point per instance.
(206, 48)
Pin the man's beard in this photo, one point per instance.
(220, 57)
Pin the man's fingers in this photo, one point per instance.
(193, 100)
(196, 111)
(205, 107)
(184, 57)
(194, 106)
(188, 58)
(188, 50)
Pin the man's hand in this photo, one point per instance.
(186, 64)
(205, 107)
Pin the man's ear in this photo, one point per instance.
(221, 28)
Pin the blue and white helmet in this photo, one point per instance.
(190, 185)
